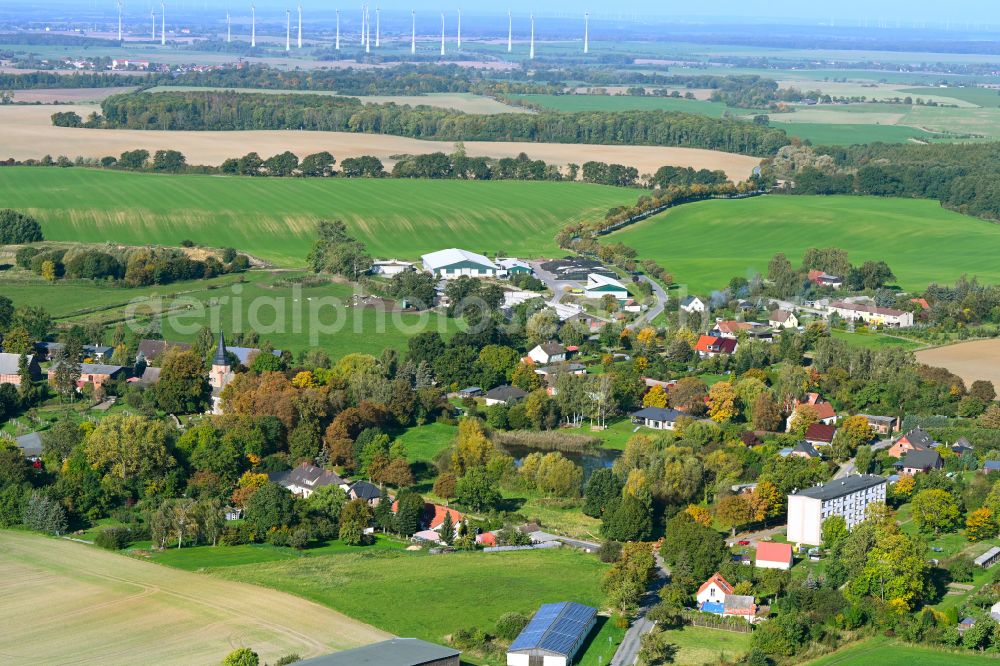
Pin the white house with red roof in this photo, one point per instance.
(771, 555)
(713, 590)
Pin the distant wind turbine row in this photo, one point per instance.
(365, 29)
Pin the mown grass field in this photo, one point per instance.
(430, 597)
(705, 244)
(699, 646)
(276, 218)
(885, 652)
(66, 602)
(291, 316)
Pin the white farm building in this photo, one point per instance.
(453, 263)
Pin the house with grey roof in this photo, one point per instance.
(306, 479)
(150, 350)
(9, 368)
(30, 445)
(847, 497)
(916, 462)
(548, 352)
(657, 418)
(505, 395)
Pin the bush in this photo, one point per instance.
(510, 625)
(961, 569)
(288, 659)
(113, 538)
(609, 551)
(468, 639)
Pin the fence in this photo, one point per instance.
(708, 621)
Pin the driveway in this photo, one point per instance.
(661, 299)
(557, 287)
(754, 537)
(628, 651)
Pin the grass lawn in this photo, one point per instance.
(424, 443)
(290, 316)
(602, 643)
(614, 436)
(207, 557)
(275, 218)
(875, 340)
(885, 652)
(429, 597)
(700, 645)
(688, 239)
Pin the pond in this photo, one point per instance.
(589, 460)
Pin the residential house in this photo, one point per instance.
(713, 591)
(548, 352)
(820, 434)
(961, 446)
(729, 329)
(9, 364)
(390, 267)
(98, 353)
(588, 321)
(93, 373)
(363, 490)
(882, 425)
(772, 555)
(453, 263)
(965, 624)
(470, 392)
(821, 279)
(800, 450)
(554, 635)
(847, 497)
(599, 285)
(710, 345)
(433, 518)
(693, 304)
(915, 440)
(305, 479)
(151, 350)
(30, 445)
(782, 319)
(740, 605)
(150, 376)
(825, 412)
(505, 395)
(870, 314)
(657, 418)
(511, 266)
(916, 462)
(991, 466)
(47, 350)
(487, 539)
(393, 652)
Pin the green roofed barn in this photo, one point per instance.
(393, 652)
(554, 635)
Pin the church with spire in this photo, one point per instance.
(220, 374)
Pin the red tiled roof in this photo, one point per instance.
(487, 539)
(721, 582)
(770, 551)
(820, 432)
(824, 410)
(718, 345)
(704, 342)
(439, 512)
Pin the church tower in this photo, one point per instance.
(220, 373)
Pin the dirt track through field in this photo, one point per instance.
(69, 603)
(978, 359)
(28, 133)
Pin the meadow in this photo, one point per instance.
(275, 219)
(289, 315)
(886, 652)
(430, 597)
(102, 608)
(580, 103)
(29, 134)
(706, 244)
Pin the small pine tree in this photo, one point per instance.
(447, 529)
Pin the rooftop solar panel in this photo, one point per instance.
(556, 628)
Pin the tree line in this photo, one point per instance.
(249, 111)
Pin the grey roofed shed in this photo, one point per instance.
(556, 629)
(989, 558)
(393, 652)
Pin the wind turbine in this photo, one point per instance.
(413, 31)
(163, 24)
(253, 26)
(368, 31)
(152, 16)
(531, 52)
(442, 34)
(586, 32)
(510, 31)
(336, 45)
(300, 26)
(288, 30)
(378, 27)
(229, 28)
(364, 19)
(119, 20)
(459, 29)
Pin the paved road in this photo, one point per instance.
(661, 299)
(628, 651)
(542, 537)
(755, 537)
(550, 281)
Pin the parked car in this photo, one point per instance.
(744, 542)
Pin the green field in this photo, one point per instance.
(875, 340)
(577, 103)
(430, 597)
(700, 646)
(275, 219)
(292, 317)
(821, 134)
(707, 243)
(884, 652)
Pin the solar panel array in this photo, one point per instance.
(557, 628)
